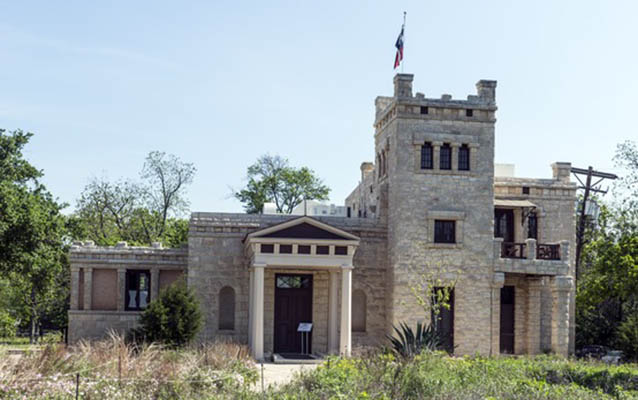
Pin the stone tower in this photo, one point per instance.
(435, 162)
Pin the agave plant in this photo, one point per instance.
(409, 342)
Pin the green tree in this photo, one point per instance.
(272, 179)
(137, 212)
(607, 297)
(32, 232)
(173, 319)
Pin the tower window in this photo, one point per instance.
(444, 231)
(426, 156)
(469, 112)
(424, 110)
(464, 158)
(446, 157)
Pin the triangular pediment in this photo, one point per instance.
(303, 228)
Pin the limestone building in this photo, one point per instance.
(429, 206)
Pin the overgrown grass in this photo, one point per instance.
(437, 376)
(111, 369)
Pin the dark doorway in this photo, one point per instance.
(293, 304)
(504, 224)
(445, 321)
(507, 320)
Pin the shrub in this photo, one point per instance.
(409, 342)
(173, 319)
(627, 336)
(7, 325)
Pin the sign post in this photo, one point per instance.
(304, 329)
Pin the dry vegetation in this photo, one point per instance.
(112, 369)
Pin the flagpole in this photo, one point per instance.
(402, 61)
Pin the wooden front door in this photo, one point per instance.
(507, 320)
(504, 224)
(293, 304)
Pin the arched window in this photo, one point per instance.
(359, 309)
(227, 308)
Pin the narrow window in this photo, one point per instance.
(138, 285)
(341, 250)
(442, 314)
(525, 189)
(349, 212)
(424, 110)
(323, 250)
(426, 156)
(469, 112)
(464, 158)
(359, 307)
(444, 231)
(285, 249)
(446, 157)
(227, 308)
(532, 226)
(267, 248)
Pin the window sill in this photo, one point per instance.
(446, 172)
(226, 331)
(444, 245)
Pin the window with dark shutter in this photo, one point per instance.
(464, 158)
(446, 157)
(426, 156)
(444, 231)
(532, 226)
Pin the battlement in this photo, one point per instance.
(479, 107)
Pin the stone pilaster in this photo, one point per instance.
(436, 155)
(497, 284)
(154, 283)
(88, 287)
(75, 288)
(455, 155)
(121, 289)
(564, 250)
(561, 293)
(534, 288)
(530, 245)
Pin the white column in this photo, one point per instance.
(88, 287)
(258, 312)
(251, 298)
(333, 303)
(345, 345)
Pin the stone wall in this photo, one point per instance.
(216, 259)
(98, 284)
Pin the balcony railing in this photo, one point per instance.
(543, 251)
(548, 251)
(513, 250)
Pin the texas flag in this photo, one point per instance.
(399, 45)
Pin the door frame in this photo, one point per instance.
(502, 342)
(311, 290)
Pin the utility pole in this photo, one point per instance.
(588, 186)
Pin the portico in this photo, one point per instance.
(293, 251)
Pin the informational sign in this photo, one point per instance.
(304, 327)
